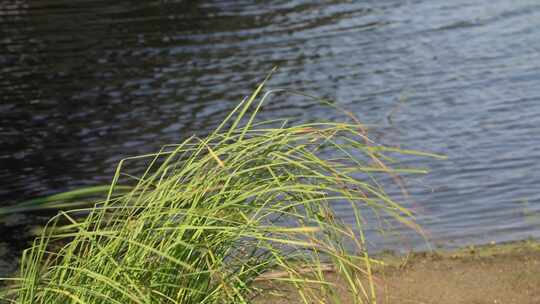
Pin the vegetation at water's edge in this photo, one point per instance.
(210, 215)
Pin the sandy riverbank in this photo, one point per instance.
(503, 273)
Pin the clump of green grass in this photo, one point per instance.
(211, 215)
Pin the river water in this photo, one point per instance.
(85, 83)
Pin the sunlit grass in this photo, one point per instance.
(211, 215)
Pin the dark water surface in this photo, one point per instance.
(85, 83)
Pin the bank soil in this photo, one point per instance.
(503, 274)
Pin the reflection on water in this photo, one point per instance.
(85, 83)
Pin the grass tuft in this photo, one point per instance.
(210, 217)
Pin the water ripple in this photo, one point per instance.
(85, 83)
